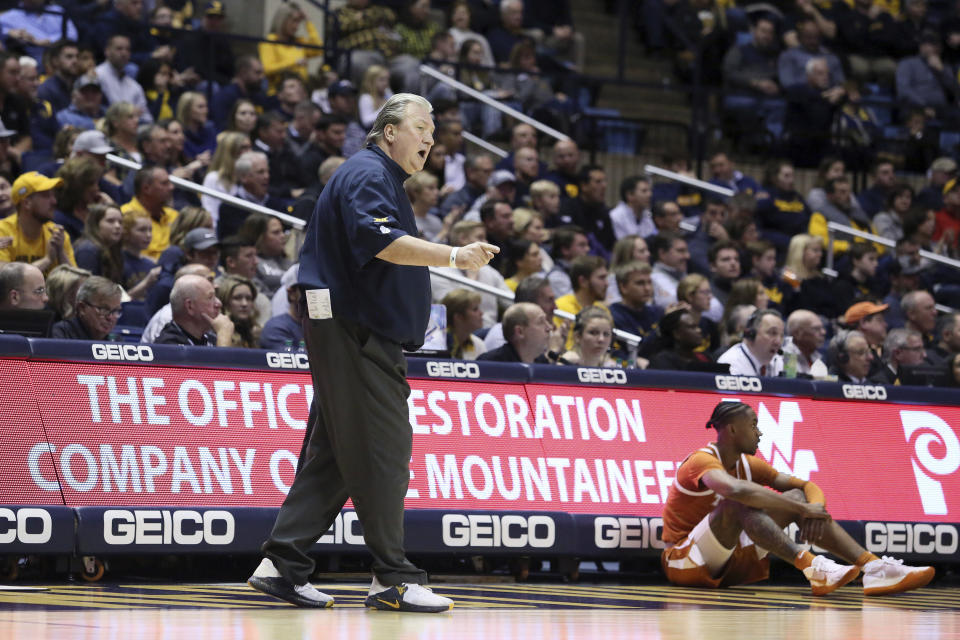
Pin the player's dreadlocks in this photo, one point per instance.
(725, 412)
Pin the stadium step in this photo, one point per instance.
(596, 25)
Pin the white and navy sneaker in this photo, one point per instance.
(826, 576)
(889, 575)
(406, 597)
(268, 580)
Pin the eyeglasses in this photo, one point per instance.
(906, 348)
(106, 312)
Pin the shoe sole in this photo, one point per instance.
(913, 580)
(272, 587)
(848, 577)
(373, 602)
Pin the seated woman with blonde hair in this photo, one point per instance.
(802, 271)
(220, 173)
(62, 284)
(237, 294)
(200, 136)
(464, 316)
(285, 51)
(528, 224)
(592, 337)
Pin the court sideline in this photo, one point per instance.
(126, 611)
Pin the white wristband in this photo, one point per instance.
(453, 257)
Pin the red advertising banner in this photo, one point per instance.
(138, 435)
(27, 461)
(154, 435)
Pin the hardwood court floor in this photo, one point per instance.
(491, 612)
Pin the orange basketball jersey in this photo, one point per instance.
(689, 501)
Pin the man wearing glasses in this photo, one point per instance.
(852, 355)
(903, 347)
(97, 311)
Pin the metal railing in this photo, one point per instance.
(192, 186)
(887, 242)
(631, 339)
(693, 182)
(189, 185)
(483, 144)
(496, 104)
(833, 227)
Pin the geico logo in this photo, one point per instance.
(287, 361)
(904, 537)
(513, 531)
(453, 369)
(138, 352)
(154, 526)
(864, 392)
(27, 525)
(738, 383)
(603, 376)
(345, 530)
(627, 533)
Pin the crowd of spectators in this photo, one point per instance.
(707, 283)
(852, 78)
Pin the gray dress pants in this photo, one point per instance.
(359, 447)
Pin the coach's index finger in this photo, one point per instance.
(486, 246)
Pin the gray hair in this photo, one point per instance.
(841, 340)
(244, 164)
(97, 287)
(145, 133)
(897, 339)
(393, 112)
(184, 288)
(799, 319)
(911, 300)
(327, 167)
(193, 269)
(506, 4)
(529, 289)
(947, 322)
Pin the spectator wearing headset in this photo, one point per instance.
(759, 353)
(851, 356)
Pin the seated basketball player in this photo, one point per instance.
(721, 520)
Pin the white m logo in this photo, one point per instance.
(776, 445)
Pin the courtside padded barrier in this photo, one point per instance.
(126, 448)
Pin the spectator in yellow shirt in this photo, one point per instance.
(153, 190)
(37, 239)
(589, 277)
(286, 55)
